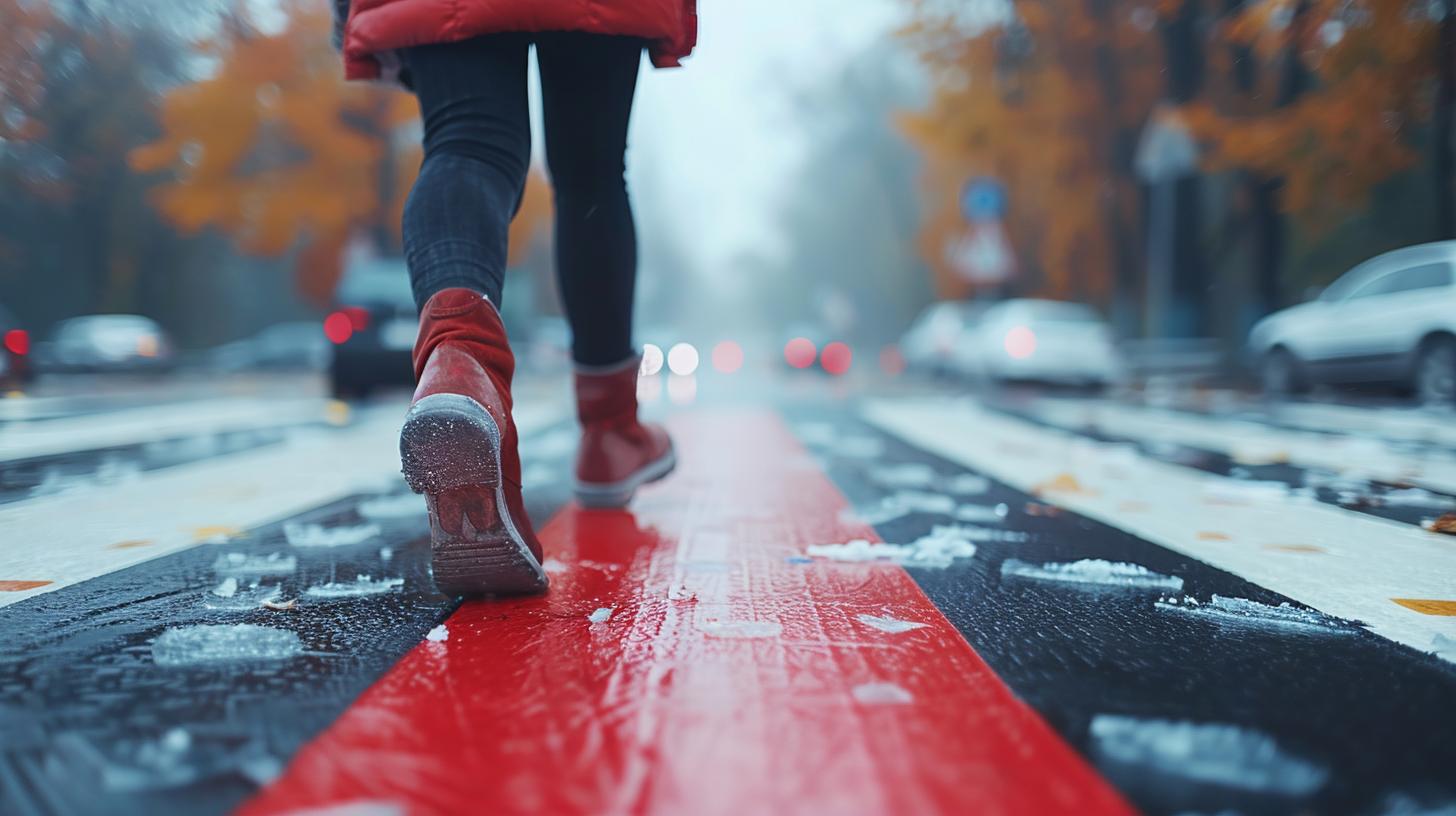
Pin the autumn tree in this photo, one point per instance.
(1048, 98)
(1320, 102)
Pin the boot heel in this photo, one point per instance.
(450, 451)
(449, 441)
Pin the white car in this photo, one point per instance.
(930, 343)
(1043, 341)
(1392, 319)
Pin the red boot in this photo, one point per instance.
(458, 447)
(618, 454)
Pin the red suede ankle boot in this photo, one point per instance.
(618, 454)
(458, 447)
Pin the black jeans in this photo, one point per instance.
(477, 152)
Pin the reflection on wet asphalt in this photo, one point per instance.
(1080, 652)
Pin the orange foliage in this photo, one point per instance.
(1042, 103)
(22, 83)
(279, 152)
(1371, 61)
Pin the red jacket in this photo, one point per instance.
(377, 27)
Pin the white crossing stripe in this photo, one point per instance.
(1342, 563)
(23, 440)
(68, 538)
(1252, 443)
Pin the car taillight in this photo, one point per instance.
(1020, 342)
(338, 328)
(17, 342)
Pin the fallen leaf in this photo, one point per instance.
(1207, 535)
(128, 545)
(1428, 606)
(1445, 524)
(21, 586)
(1295, 548)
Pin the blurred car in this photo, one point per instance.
(295, 345)
(1390, 320)
(15, 353)
(929, 345)
(110, 343)
(1046, 341)
(372, 329)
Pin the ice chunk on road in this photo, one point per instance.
(882, 694)
(317, 535)
(894, 626)
(359, 587)
(939, 548)
(254, 566)
(967, 484)
(1092, 572)
(741, 629)
(1444, 647)
(982, 513)
(403, 505)
(1243, 612)
(226, 589)
(242, 599)
(1224, 755)
(439, 634)
(909, 474)
(197, 645)
(857, 447)
(601, 615)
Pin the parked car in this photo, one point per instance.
(929, 345)
(1046, 341)
(372, 329)
(110, 343)
(1390, 320)
(294, 345)
(15, 352)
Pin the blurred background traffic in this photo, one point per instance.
(1099, 193)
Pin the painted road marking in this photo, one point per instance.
(726, 680)
(20, 586)
(64, 539)
(21, 440)
(1251, 443)
(1367, 560)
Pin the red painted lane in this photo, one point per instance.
(528, 707)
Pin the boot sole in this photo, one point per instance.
(450, 442)
(599, 495)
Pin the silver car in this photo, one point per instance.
(1392, 319)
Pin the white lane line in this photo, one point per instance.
(1345, 564)
(1404, 424)
(22, 440)
(64, 539)
(1252, 443)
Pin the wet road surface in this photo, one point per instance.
(1206, 604)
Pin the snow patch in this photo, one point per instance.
(939, 549)
(882, 694)
(383, 508)
(258, 566)
(1092, 571)
(553, 566)
(741, 629)
(317, 535)
(1444, 647)
(1215, 753)
(982, 513)
(967, 484)
(439, 634)
(195, 645)
(907, 475)
(361, 586)
(1239, 492)
(894, 626)
(601, 615)
(1243, 612)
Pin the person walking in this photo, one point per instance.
(466, 61)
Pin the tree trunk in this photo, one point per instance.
(1443, 161)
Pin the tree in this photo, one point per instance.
(1048, 99)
